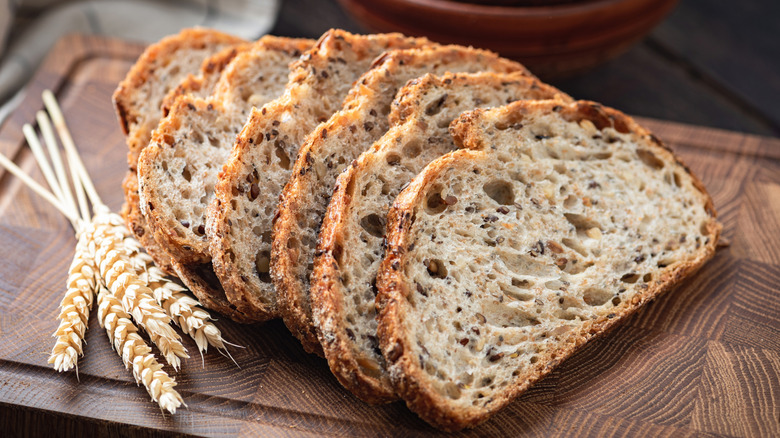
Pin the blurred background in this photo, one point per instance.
(693, 61)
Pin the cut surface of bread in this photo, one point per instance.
(361, 121)
(138, 99)
(240, 219)
(501, 262)
(351, 238)
(179, 168)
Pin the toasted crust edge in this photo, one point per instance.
(341, 360)
(404, 370)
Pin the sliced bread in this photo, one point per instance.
(138, 99)
(351, 238)
(502, 262)
(179, 168)
(361, 121)
(240, 220)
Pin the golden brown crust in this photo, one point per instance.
(392, 284)
(136, 223)
(341, 359)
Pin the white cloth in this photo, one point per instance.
(23, 47)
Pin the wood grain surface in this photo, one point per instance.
(702, 360)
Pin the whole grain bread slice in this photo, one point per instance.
(351, 238)
(361, 121)
(239, 225)
(501, 262)
(138, 99)
(179, 168)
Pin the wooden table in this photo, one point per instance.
(704, 359)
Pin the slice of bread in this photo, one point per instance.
(351, 239)
(138, 99)
(240, 220)
(362, 121)
(502, 262)
(179, 168)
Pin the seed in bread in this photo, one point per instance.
(361, 121)
(501, 262)
(351, 239)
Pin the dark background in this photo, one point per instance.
(711, 63)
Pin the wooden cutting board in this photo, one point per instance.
(705, 359)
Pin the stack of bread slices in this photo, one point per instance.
(440, 225)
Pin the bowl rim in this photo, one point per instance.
(552, 11)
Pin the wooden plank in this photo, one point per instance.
(703, 359)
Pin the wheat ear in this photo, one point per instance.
(75, 306)
(119, 276)
(184, 310)
(135, 353)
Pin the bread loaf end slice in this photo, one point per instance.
(501, 262)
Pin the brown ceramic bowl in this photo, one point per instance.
(552, 41)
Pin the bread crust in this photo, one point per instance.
(262, 156)
(407, 375)
(361, 121)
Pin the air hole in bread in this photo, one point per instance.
(263, 266)
(436, 268)
(616, 301)
(185, 173)
(435, 204)
(214, 142)
(630, 278)
(561, 168)
(292, 243)
(650, 159)
(393, 159)
(281, 154)
(582, 224)
(677, 180)
(570, 201)
(373, 224)
(595, 296)
(435, 107)
(412, 149)
(500, 191)
(647, 278)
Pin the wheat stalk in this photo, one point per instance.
(184, 310)
(135, 353)
(75, 306)
(119, 275)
